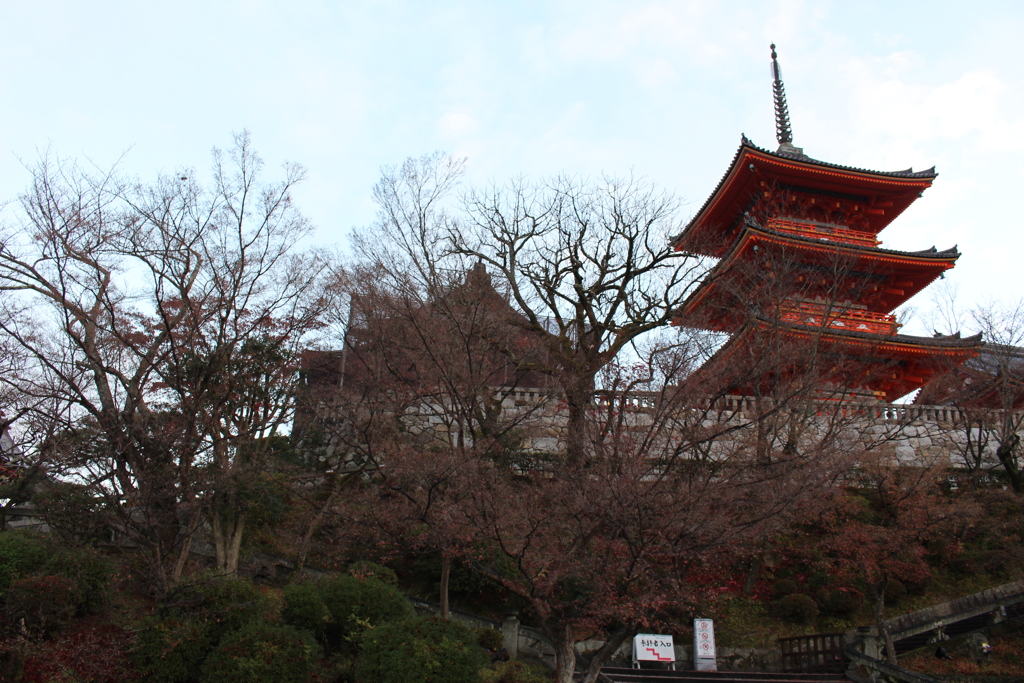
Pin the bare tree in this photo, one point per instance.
(590, 268)
(998, 384)
(636, 485)
(988, 390)
(168, 316)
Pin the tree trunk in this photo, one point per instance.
(610, 647)
(235, 545)
(755, 571)
(338, 483)
(227, 541)
(1006, 454)
(219, 550)
(883, 631)
(446, 570)
(579, 396)
(565, 655)
(186, 547)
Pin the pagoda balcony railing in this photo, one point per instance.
(833, 233)
(898, 413)
(837, 317)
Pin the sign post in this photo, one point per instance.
(704, 658)
(648, 647)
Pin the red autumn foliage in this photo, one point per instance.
(89, 652)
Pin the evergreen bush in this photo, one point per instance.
(74, 513)
(841, 602)
(46, 603)
(365, 570)
(512, 672)
(357, 604)
(797, 608)
(490, 638)
(193, 620)
(894, 592)
(225, 603)
(422, 649)
(262, 652)
(305, 609)
(965, 565)
(784, 587)
(91, 573)
(995, 563)
(171, 650)
(21, 553)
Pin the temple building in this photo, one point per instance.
(803, 285)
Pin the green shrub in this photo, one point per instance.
(818, 580)
(894, 592)
(45, 602)
(305, 609)
(938, 551)
(262, 652)
(367, 570)
(193, 619)
(171, 650)
(512, 672)
(91, 573)
(784, 587)
(996, 563)
(360, 604)
(964, 565)
(73, 512)
(490, 638)
(797, 608)
(226, 603)
(422, 649)
(840, 602)
(21, 553)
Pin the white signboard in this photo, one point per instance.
(653, 648)
(704, 658)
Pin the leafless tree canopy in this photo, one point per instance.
(162, 319)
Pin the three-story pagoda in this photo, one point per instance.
(801, 269)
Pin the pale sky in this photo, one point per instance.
(662, 89)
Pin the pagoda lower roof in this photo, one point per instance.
(766, 352)
(768, 264)
(881, 195)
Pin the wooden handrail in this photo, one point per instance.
(833, 233)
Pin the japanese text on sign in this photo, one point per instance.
(653, 648)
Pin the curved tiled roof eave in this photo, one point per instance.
(972, 342)
(726, 260)
(927, 174)
(932, 253)
(745, 143)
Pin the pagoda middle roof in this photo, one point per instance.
(754, 169)
(853, 267)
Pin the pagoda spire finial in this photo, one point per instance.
(783, 129)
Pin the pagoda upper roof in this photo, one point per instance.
(881, 195)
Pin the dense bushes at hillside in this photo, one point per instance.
(262, 652)
(426, 649)
(44, 585)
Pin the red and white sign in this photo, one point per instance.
(704, 658)
(653, 648)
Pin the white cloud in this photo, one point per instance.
(457, 124)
